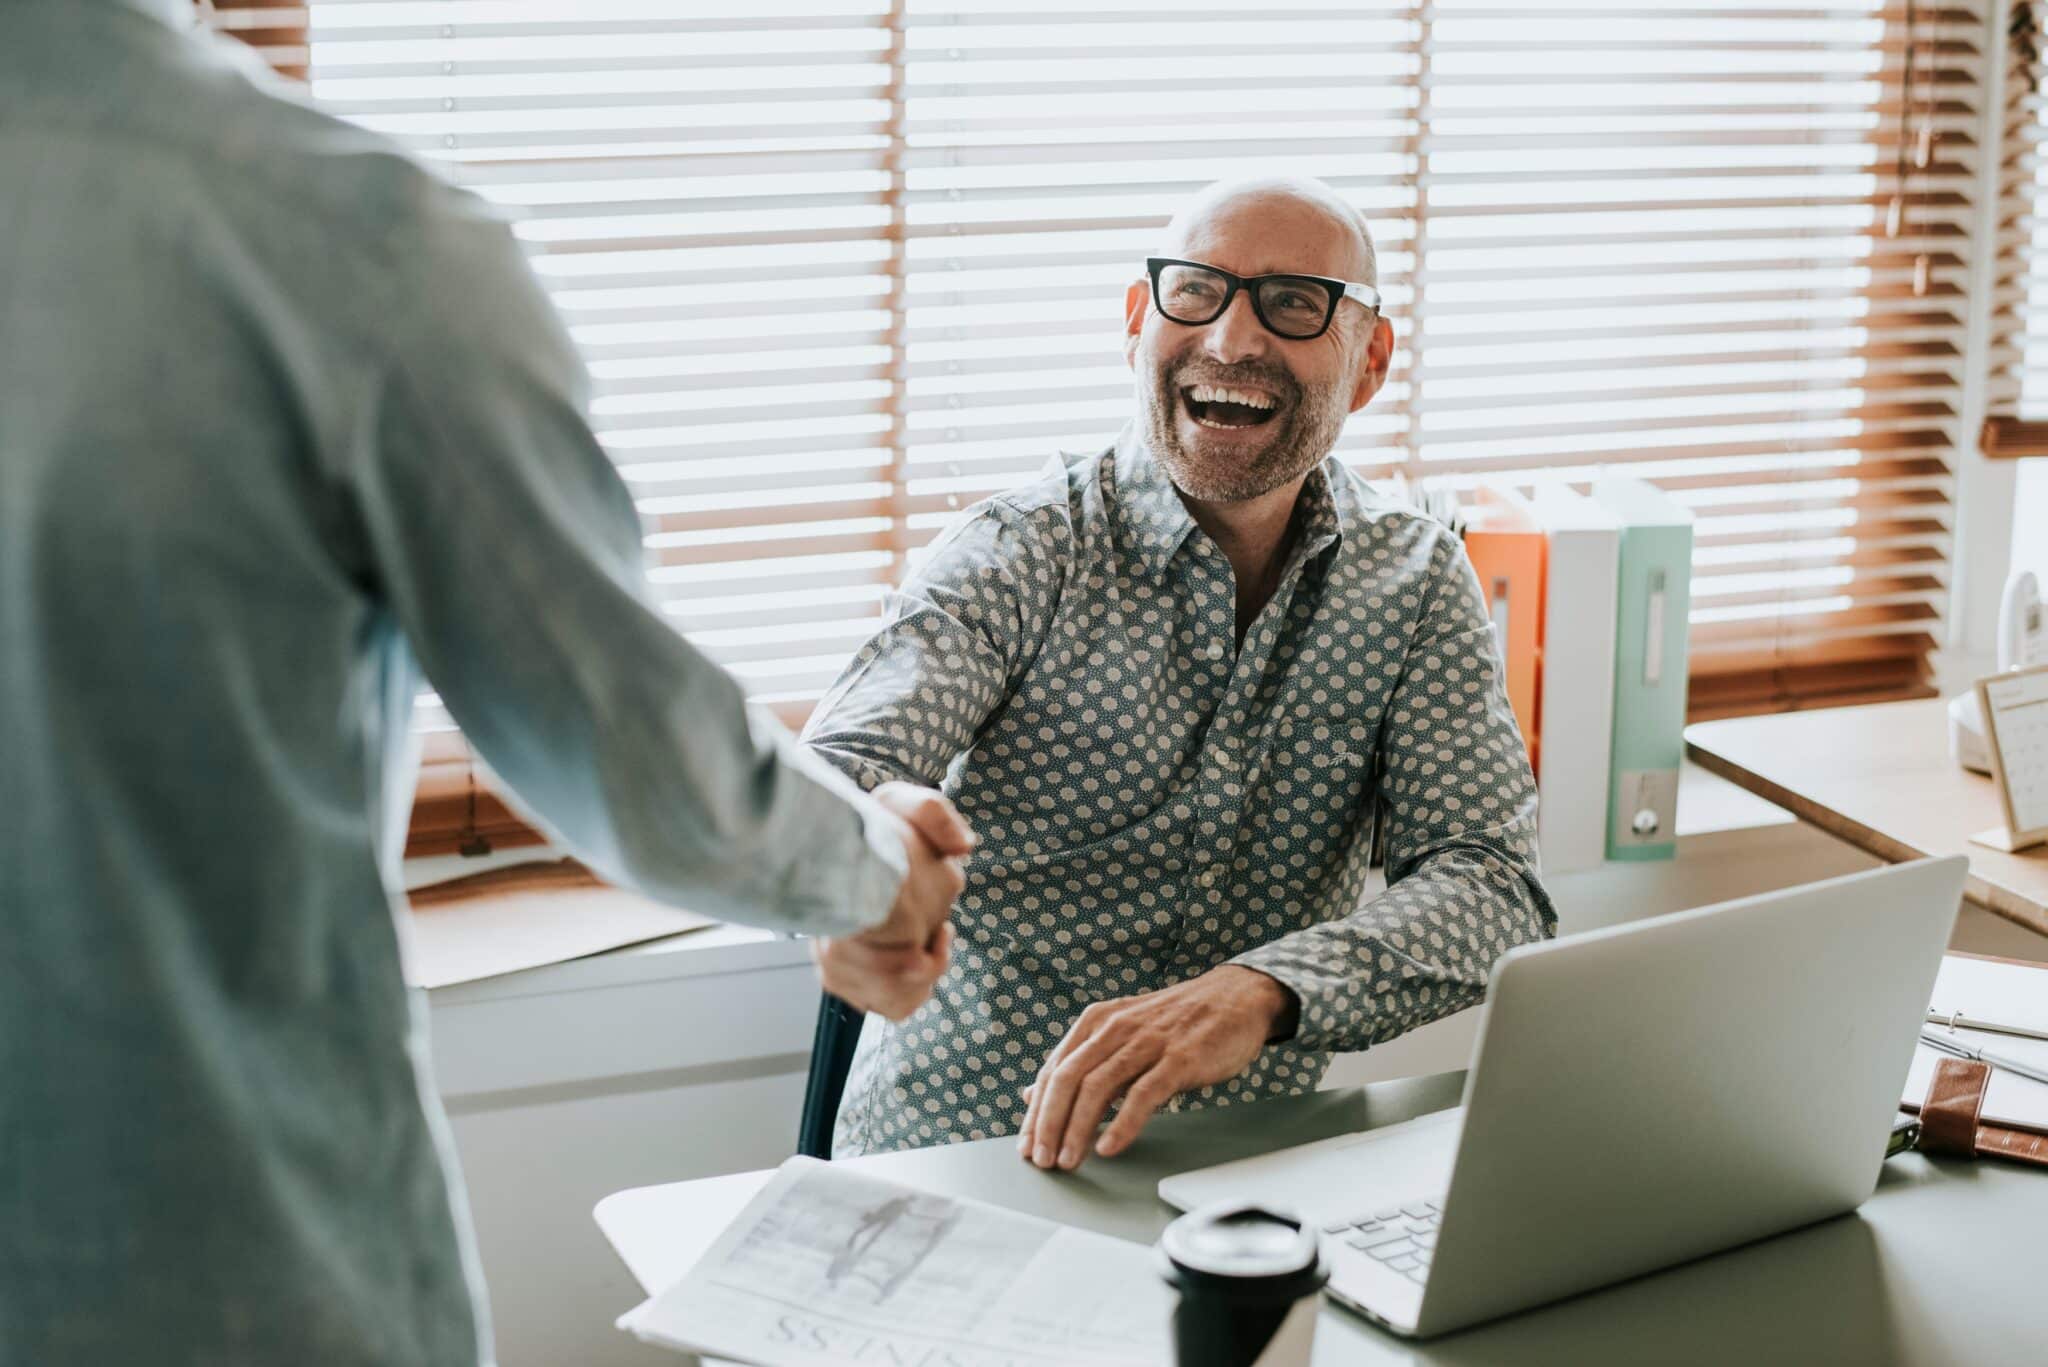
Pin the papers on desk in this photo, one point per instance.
(523, 917)
(2011, 994)
(828, 1265)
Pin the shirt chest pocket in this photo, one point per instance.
(1317, 763)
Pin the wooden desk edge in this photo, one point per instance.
(1996, 900)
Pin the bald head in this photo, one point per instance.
(1292, 392)
(1284, 209)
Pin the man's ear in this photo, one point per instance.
(1379, 356)
(1137, 299)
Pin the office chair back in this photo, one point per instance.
(832, 1046)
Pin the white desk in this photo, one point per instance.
(1888, 1285)
(1880, 778)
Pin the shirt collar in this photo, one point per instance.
(1154, 522)
(1321, 507)
(1152, 519)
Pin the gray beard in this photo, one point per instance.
(1313, 423)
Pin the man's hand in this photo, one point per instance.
(1146, 1049)
(890, 968)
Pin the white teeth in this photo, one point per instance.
(1207, 393)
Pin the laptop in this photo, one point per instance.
(1640, 1096)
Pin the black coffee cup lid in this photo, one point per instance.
(1243, 1249)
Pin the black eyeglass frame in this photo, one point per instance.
(1338, 291)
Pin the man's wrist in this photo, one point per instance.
(1276, 1003)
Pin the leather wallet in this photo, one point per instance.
(1951, 1119)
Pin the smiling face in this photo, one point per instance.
(1231, 410)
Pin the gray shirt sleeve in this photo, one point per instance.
(959, 634)
(509, 550)
(1462, 877)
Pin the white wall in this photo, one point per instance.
(535, 1170)
(569, 1083)
(2030, 519)
(566, 1084)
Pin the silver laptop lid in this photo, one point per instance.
(1653, 1092)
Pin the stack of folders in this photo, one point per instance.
(1506, 546)
(1653, 603)
(1582, 588)
(1589, 598)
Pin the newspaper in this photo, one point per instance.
(829, 1266)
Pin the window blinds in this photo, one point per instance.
(277, 31)
(2018, 398)
(1720, 247)
(841, 267)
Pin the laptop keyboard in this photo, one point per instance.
(1403, 1237)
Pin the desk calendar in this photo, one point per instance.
(2015, 711)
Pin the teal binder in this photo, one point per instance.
(1652, 608)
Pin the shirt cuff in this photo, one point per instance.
(880, 872)
(1324, 1024)
(865, 773)
(849, 883)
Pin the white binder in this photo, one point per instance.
(1577, 692)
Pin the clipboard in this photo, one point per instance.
(2014, 706)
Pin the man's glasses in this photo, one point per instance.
(1297, 307)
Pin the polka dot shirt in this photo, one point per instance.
(1154, 801)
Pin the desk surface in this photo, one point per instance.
(1890, 1284)
(1880, 777)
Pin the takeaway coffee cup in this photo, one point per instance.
(1248, 1277)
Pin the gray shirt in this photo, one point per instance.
(1154, 801)
(285, 421)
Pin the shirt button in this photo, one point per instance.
(1216, 650)
(1210, 875)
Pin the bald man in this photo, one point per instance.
(1165, 683)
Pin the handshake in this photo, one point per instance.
(890, 968)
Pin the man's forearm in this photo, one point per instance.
(1421, 950)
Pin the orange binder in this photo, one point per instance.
(1505, 542)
